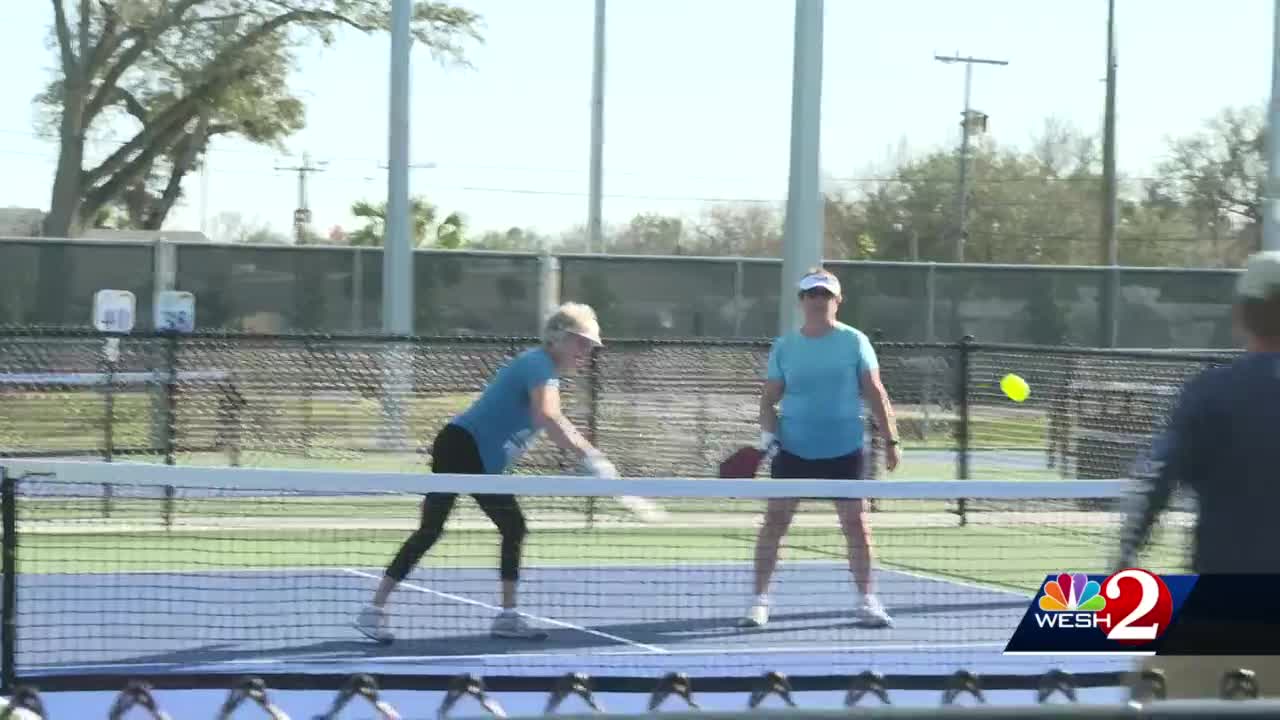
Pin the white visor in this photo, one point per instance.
(591, 334)
(827, 282)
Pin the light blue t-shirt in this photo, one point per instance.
(821, 409)
(501, 419)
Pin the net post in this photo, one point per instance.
(307, 396)
(871, 435)
(108, 399)
(169, 493)
(593, 415)
(962, 426)
(170, 397)
(9, 585)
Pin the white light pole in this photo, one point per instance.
(803, 230)
(595, 199)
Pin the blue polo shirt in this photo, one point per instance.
(820, 415)
(501, 419)
(1222, 442)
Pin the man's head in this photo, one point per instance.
(1258, 301)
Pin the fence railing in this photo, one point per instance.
(769, 698)
(657, 407)
(336, 289)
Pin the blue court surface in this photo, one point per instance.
(601, 621)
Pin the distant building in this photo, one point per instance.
(146, 235)
(25, 223)
(20, 222)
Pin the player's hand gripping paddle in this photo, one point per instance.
(745, 461)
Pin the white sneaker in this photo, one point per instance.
(372, 621)
(871, 613)
(758, 616)
(645, 509)
(510, 624)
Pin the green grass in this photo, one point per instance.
(992, 551)
(990, 428)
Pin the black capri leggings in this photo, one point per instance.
(455, 451)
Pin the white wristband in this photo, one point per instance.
(767, 440)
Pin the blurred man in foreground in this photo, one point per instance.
(1223, 443)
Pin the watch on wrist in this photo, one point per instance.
(893, 441)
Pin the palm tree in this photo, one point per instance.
(449, 233)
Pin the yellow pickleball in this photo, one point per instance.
(1015, 387)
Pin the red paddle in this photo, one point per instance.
(743, 463)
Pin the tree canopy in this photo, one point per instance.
(178, 73)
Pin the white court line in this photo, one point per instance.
(953, 581)
(546, 620)
(578, 657)
(817, 650)
(599, 567)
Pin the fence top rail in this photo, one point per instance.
(1175, 354)
(88, 332)
(179, 241)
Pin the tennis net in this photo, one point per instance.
(186, 575)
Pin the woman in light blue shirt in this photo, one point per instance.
(820, 376)
(522, 400)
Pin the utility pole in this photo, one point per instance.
(973, 123)
(595, 192)
(1271, 189)
(302, 215)
(1110, 255)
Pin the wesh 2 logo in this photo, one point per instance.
(1131, 607)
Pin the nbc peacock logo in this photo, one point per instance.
(1072, 601)
(1072, 593)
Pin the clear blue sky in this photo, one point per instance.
(697, 104)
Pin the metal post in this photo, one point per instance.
(548, 289)
(1271, 203)
(170, 437)
(739, 271)
(397, 253)
(357, 291)
(962, 198)
(595, 200)
(9, 583)
(962, 427)
(930, 297)
(803, 232)
(1110, 195)
(962, 191)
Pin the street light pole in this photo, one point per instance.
(962, 193)
(595, 199)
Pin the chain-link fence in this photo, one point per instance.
(659, 408)
(332, 289)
